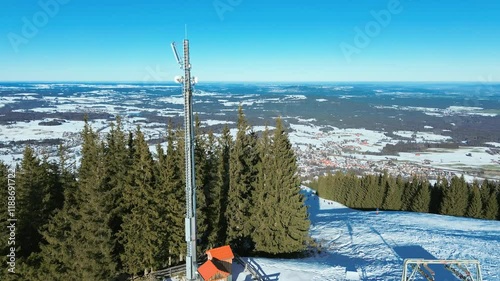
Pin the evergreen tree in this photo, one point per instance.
(436, 197)
(29, 201)
(264, 209)
(474, 209)
(498, 200)
(57, 254)
(79, 241)
(485, 195)
(39, 194)
(393, 191)
(91, 236)
(491, 207)
(422, 199)
(117, 162)
(286, 225)
(53, 186)
(223, 171)
(243, 177)
(364, 186)
(67, 178)
(349, 184)
(214, 191)
(374, 195)
(409, 193)
(455, 198)
(176, 195)
(144, 228)
(202, 185)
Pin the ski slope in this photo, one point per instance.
(360, 245)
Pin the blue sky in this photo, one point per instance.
(251, 40)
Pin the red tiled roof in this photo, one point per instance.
(209, 270)
(221, 253)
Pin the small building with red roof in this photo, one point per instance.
(218, 266)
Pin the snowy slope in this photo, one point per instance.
(375, 245)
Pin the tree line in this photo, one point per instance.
(120, 212)
(455, 197)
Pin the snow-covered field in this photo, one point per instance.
(373, 246)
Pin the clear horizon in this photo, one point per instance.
(252, 41)
(257, 82)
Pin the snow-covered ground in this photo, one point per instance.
(375, 245)
(441, 112)
(422, 136)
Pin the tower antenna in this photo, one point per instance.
(190, 220)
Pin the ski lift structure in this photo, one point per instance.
(463, 270)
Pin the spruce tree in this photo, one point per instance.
(364, 186)
(29, 199)
(393, 191)
(243, 177)
(39, 194)
(474, 209)
(265, 198)
(202, 185)
(144, 228)
(498, 199)
(91, 235)
(176, 195)
(409, 193)
(224, 152)
(374, 195)
(57, 252)
(485, 195)
(117, 163)
(422, 199)
(436, 197)
(79, 240)
(491, 208)
(286, 225)
(455, 198)
(214, 191)
(350, 185)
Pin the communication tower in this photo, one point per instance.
(190, 220)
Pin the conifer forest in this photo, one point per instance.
(120, 212)
(384, 192)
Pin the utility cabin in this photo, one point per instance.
(219, 265)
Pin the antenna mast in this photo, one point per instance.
(190, 220)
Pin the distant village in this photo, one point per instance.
(317, 153)
(345, 155)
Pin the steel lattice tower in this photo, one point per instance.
(190, 220)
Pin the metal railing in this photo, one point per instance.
(181, 269)
(250, 268)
